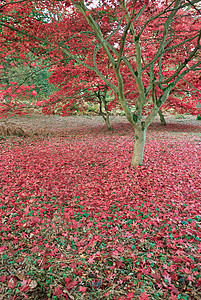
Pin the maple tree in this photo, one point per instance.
(148, 52)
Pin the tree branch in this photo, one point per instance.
(165, 32)
(9, 3)
(191, 85)
(123, 39)
(183, 65)
(83, 9)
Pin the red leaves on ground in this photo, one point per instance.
(144, 296)
(73, 208)
(70, 284)
(12, 282)
(82, 289)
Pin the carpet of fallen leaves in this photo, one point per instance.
(77, 222)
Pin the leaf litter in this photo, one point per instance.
(77, 222)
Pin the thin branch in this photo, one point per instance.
(124, 59)
(9, 3)
(33, 73)
(193, 68)
(155, 17)
(166, 10)
(63, 49)
(165, 32)
(123, 40)
(181, 43)
(170, 39)
(184, 64)
(83, 9)
(191, 85)
(99, 73)
(115, 30)
(192, 4)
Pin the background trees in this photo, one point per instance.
(138, 50)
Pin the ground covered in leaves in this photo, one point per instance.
(77, 222)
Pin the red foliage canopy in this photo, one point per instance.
(60, 31)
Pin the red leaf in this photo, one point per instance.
(58, 291)
(12, 283)
(173, 297)
(130, 296)
(174, 289)
(70, 284)
(198, 282)
(82, 289)
(144, 296)
(34, 93)
(2, 278)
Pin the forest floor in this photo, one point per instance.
(78, 222)
(55, 125)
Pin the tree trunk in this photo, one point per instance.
(105, 115)
(138, 151)
(162, 118)
(106, 118)
(107, 121)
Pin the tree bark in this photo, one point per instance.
(105, 115)
(107, 121)
(138, 151)
(162, 118)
